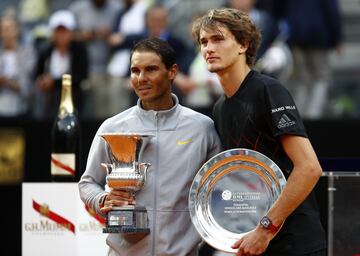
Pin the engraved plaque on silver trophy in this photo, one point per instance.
(230, 194)
(125, 172)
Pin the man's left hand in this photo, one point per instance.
(254, 243)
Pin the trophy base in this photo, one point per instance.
(128, 219)
(128, 230)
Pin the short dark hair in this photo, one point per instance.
(239, 24)
(157, 46)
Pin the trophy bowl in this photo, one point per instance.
(126, 172)
(230, 194)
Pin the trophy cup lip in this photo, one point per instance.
(128, 134)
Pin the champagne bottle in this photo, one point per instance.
(65, 138)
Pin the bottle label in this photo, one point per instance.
(63, 164)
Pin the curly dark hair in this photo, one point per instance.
(158, 46)
(239, 24)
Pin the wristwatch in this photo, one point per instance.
(266, 223)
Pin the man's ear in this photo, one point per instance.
(173, 71)
(242, 47)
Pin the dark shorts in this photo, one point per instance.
(317, 253)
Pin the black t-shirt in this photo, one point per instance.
(254, 118)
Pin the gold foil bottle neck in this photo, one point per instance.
(66, 102)
(66, 79)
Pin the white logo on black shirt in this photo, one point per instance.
(288, 107)
(285, 121)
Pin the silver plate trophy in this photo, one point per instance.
(127, 173)
(231, 193)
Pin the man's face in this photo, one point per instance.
(62, 36)
(219, 48)
(156, 21)
(150, 79)
(243, 5)
(8, 30)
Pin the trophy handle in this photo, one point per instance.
(107, 167)
(144, 169)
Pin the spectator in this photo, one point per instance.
(95, 19)
(199, 87)
(16, 62)
(32, 14)
(130, 20)
(262, 19)
(61, 55)
(311, 38)
(157, 26)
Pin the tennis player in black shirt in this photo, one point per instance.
(257, 112)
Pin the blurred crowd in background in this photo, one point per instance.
(303, 45)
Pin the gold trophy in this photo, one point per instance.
(125, 172)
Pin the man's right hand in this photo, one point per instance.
(117, 198)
